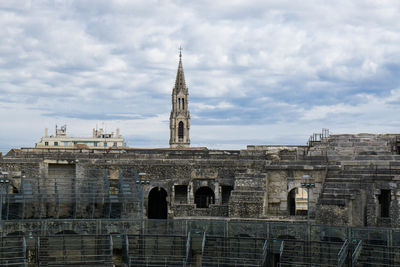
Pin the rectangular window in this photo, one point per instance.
(181, 194)
(115, 144)
(65, 143)
(95, 144)
(46, 143)
(105, 144)
(55, 143)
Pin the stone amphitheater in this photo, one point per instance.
(201, 207)
(332, 202)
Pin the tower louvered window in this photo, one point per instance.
(180, 130)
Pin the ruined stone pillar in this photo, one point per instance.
(190, 195)
(217, 194)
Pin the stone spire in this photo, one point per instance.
(179, 121)
(180, 76)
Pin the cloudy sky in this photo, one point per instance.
(258, 71)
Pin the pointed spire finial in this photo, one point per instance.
(180, 77)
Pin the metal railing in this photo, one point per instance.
(281, 249)
(356, 252)
(265, 253)
(188, 247)
(174, 250)
(157, 250)
(342, 255)
(75, 249)
(13, 251)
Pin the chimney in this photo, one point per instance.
(117, 133)
(46, 132)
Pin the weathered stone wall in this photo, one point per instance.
(360, 167)
(349, 173)
(260, 178)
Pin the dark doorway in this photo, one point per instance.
(203, 197)
(226, 193)
(384, 201)
(276, 259)
(180, 130)
(181, 194)
(158, 207)
(292, 201)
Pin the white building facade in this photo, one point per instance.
(99, 140)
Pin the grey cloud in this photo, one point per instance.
(84, 61)
(99, 117)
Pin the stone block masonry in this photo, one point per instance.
(356, 182)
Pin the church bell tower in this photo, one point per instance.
(179, 121)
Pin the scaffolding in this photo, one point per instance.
(68, 193)
(79, 216)
(77, 250)
(196, 243)
(13, 251)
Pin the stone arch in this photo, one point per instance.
(297, 201)
(291, 202)
(204, 196)
(157, 203)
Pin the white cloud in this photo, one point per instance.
(202, 106)
(268, 63)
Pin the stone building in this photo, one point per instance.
(99, 139)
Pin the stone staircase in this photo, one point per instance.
(356, 161)
(338, 187)
(247, 198)
(13, 251)
(346, 147)
(156, 250)
(345, 179)
(378, 253)
(75, 250)
(303, 253)
(233, 251)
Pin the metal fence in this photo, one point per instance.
(195, 243)
(69, 193)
